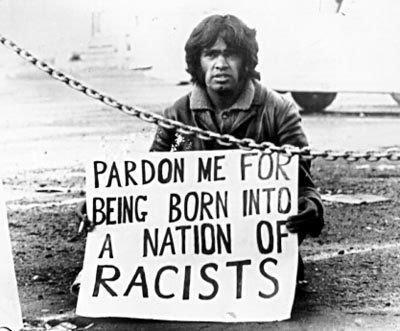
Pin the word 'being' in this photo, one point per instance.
(188, 206)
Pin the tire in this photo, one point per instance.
(396, 97)
(313, 101)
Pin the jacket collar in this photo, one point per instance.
(199, 99)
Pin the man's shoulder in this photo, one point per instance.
(271, 99)
(181, 105)
(182, 102)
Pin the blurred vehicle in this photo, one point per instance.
(313, 49)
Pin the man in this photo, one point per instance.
(221, 56)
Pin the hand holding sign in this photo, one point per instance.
(309, 220)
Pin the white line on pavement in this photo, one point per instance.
(44, 204)
(348, 251)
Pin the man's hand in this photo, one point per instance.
(309, 219)
(84, 222)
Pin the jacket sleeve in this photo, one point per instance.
(164, 138)
(290, 131)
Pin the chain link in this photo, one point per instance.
(391, 154)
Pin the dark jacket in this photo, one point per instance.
(270, 117)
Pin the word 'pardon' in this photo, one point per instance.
(198, 221)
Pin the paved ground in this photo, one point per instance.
(48, 131)
(49, 118)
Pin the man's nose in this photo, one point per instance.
(220, 62)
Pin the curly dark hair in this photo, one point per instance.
(236, 35)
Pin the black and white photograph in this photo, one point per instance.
(199, 165)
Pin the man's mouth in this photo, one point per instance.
(221, 76)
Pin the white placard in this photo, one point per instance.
(191, 236)
(10, 310)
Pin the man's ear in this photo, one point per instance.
(201, 80)
(244, 72)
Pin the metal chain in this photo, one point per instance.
(392, 154)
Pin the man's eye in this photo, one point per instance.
(230, 53)
(211, 54)
(214, 54)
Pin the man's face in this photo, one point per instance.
(221, 67)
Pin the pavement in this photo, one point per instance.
(46, 126)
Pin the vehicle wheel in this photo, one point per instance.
(396, 97)
(314, 101)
